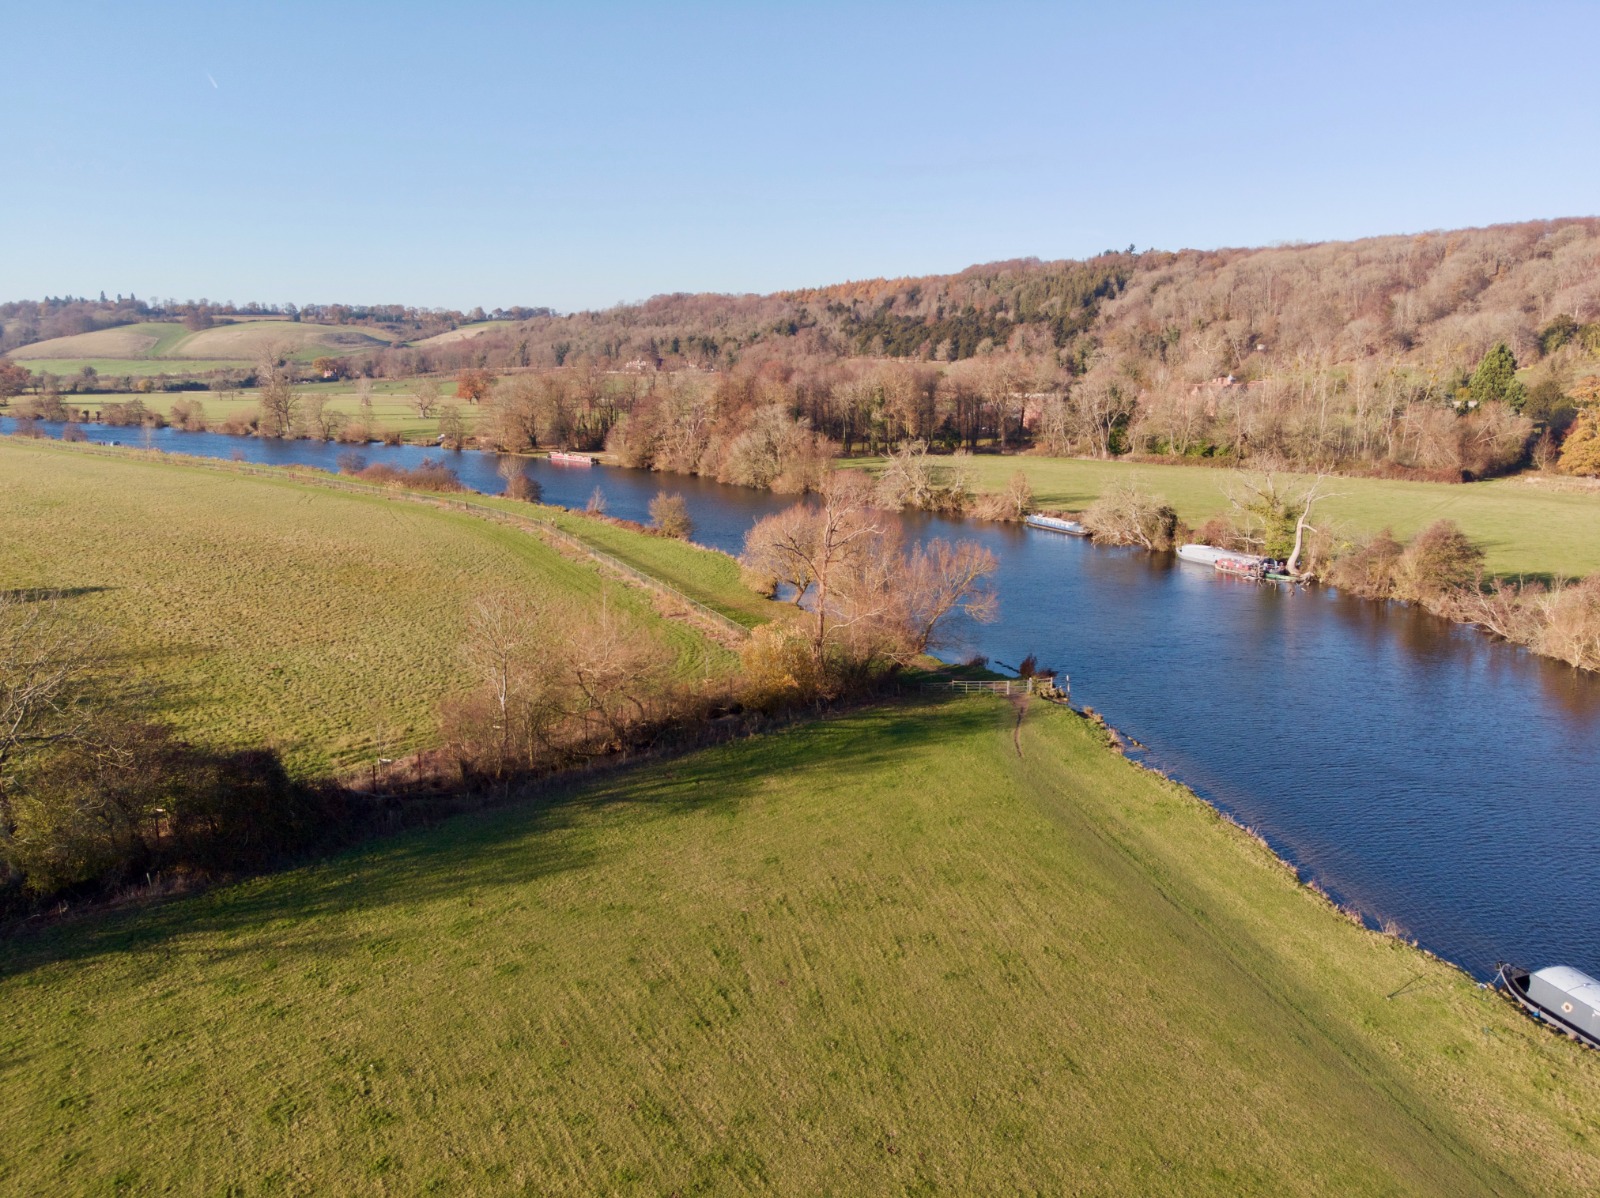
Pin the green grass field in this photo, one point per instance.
(114, 368)
(172, 341)
(264, 610)
(881, 954)
(1526, 528)
(392, 405)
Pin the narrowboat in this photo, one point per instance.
(560, 457)
(1210, 555)
(1055, 524)
(1566, 998)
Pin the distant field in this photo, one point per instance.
(268, 611)
(110, 368)
(392, 406)
(465, 333)
(1526, 528)
(889, 953)
(242, 341)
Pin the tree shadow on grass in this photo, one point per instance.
(479, 854)
(44, 594)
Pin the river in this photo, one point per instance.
(1431, 777)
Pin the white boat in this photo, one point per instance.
(562, 458)
(1210, 555)
(1055, 524)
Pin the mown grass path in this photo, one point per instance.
(877, 954)
(259, 610)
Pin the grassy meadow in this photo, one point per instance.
(891, 952)
(1525, 525)
(259, 610)
(236, 341)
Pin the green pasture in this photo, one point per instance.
(257, 610)
(1526, 528)
(392, 405)
(114, 368)
(895, 952)
(176, 343)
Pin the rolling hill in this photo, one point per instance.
(241, 341)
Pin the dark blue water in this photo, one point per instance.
(1428, 775)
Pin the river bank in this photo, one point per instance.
(785, 917)
(1347, 732)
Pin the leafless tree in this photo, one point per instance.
(425, 397)
(280, 402)
(940, 579)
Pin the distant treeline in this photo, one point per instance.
(1443, 355)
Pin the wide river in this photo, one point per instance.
(1419, 771)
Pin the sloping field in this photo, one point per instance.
(883, 954)
(150, 339)
(241, 342)
(248, 339)
(260, 610)
(1526, 529)
(465, 333)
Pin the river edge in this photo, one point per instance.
(1127, 747)
(1450, 615)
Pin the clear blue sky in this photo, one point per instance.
(581, 154)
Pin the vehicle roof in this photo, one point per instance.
(1572, 981)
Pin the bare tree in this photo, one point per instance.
(1126, 515)
(777, 547)
(280, 402)
(452, 432)
(940, 579)
(425, 397)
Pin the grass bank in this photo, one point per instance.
(1526, 528)
(264, 610)
(879, 954)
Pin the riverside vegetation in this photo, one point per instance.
(714, 973)
(191, 624)
(827, 959)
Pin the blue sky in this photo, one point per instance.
(579, 155)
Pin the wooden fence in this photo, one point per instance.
(1006, 686)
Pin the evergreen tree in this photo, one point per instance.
(1495, 380)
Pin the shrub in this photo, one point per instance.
(1126, 515)
(429, 475)
(1571, 624)
(1013, 503)
(671, 516)
(1368, 570)
(189, 415)
(1439, 559)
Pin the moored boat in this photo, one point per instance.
(1243, 565)
(1210, 555)
(1566, 998)
(1056, 524)
(560, 457)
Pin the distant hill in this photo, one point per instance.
(1437, 299)
(467, 332)
(241, 341)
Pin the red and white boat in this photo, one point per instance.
(559, 457)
